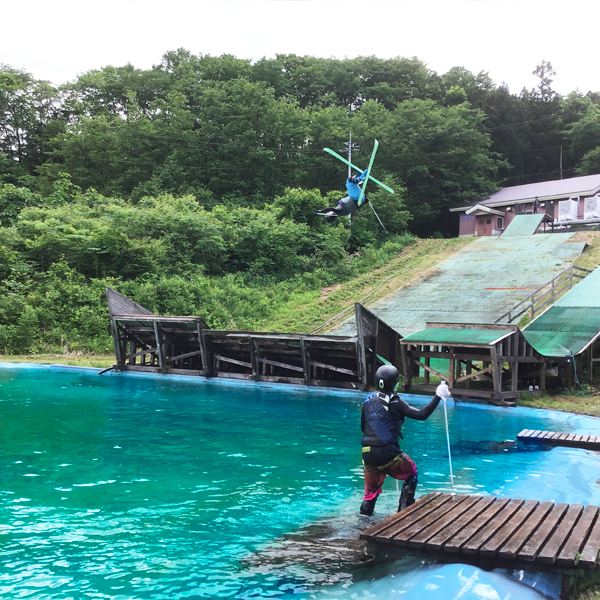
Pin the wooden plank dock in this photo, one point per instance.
(494, 532)
(559, 438)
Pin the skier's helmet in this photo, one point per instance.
(386, 378)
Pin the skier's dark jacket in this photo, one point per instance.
(382, 419)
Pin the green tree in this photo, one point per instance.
(28, 108)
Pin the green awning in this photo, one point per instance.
(445, 336)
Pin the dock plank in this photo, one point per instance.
(417, 515)
(407, 533)
(508, 532)
(451, 530)
(562, 438)
(463, 536)
(419, 540)
(531, 549)
(512, 547)
(577, 537)
(552, 547)
(375, 530)
(501, 536)
(589, 554)
(478, 540)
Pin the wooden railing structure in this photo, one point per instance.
(544, 296)
(497, 366)
(187, 346)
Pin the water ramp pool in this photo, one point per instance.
(559, 438)
(492, 531)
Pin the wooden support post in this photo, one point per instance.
(305, 361)
(590, 356)
(254, 357)
(468, 373)
(407, 367)
(451, 373)
(361, 359)
(514, 382)
(204, 355)
(427, 362)
(374, 349)
(543, 376)
(159, 349)
(496, 371)
(458, 369)
(117, 342)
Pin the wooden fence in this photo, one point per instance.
(544, 296)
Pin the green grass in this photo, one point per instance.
(75, 359)
(310, 309)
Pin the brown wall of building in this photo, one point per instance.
(467, 225)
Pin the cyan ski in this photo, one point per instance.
(385, 187)
(361, 198)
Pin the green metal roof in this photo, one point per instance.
(572, 323)
(585, 294)
(523, 225)
(563, 329)
(445, 336)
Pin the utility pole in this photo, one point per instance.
(349, 147)
(560, 161)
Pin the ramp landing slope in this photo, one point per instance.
(571, 324)
(478, 284)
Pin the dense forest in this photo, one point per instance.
(191, 186)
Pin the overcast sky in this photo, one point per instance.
(59, 39)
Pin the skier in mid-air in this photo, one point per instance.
(349, 203)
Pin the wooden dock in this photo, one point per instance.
(494, 532)
(559, 438)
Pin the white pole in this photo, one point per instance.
(449, 453)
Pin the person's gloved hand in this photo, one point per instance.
(442, 391)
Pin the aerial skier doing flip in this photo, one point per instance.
(356, 185)
(346, 206)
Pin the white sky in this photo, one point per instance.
(59, 39)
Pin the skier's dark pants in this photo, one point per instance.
(401, 467)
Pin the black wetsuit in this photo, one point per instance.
(381, 423)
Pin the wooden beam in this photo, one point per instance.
(233, 361)
(472, 375)
(276, 363)
(186, 355)
(254, 356)
(161, 362)
(305, 361)
(427, 368)
(332, 368)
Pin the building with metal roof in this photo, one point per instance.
(564, 202)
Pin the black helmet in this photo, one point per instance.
(386, 378)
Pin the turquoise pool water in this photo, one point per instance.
(146, 487)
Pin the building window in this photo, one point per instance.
(500, 223)
(488, 221)
(481, 221)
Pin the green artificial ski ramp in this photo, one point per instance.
(572, 324)
(523, 225)
(478, 284)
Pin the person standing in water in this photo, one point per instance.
(382, 417)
